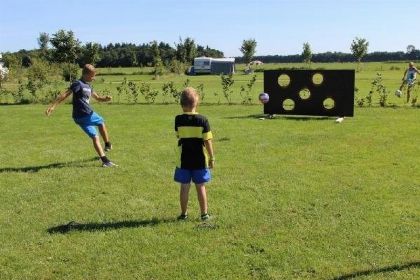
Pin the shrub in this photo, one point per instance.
(148, 93)
(134, 91)
(378, 87)
(170, 90)
(227, 83)
(70, 71)
(201, 93)
(246, 91)
(177, 67)
(122, 89)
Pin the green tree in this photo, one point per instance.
(307, 53)
(157, 60)
(3, 73)
(248, 49)
(90, 54)
(66, 47)
(186, 50)
(359, 48)
(410, 49)
(43, 41)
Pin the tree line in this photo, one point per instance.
(63, 47)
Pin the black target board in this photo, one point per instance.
(310, 92)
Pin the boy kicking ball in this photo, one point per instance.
(409, 80)
(83, 114)
(195, 152)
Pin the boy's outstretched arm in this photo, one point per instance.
(101, 98)
(57, 101)
(209, 147)
(405, 72)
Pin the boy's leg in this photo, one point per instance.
(202, 197)
(183, 198)
(408, 93)
(97, 146)
(104, 132)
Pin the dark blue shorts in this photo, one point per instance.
(198, 176)
(89, 123)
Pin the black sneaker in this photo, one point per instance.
(109, 164)
(182, 217)
(205, 217)
(108, 147)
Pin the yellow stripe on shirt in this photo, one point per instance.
(207, 136)
(190, 132)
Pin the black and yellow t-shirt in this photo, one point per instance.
(192, 129)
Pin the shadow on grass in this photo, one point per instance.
(32, 169)
(287, 117)
(393, 268)
(75, 226)
(254, 116)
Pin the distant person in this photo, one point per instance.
(83, 114)
(196, 154)
(409, 80)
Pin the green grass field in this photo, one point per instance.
(293, 198)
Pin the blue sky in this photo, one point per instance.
(279, 26)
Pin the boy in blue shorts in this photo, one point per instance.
(409, 80)
(196, 155)
(83, 114)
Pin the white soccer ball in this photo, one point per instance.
(264, 97)
(398, 93)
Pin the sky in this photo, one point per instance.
(280, 27)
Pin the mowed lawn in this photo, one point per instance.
(292, 198)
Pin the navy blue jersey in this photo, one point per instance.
(81, 96)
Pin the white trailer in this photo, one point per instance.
(209, 65)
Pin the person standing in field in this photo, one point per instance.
(409, 79)
(196, 156)
(83, 114)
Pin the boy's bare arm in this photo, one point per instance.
(57, 101)
(209, 147)
(405, 72)
(101, 98)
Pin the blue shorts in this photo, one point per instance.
(198, 176)
(88, 124)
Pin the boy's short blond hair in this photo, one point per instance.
(88, 69)
(189, 97)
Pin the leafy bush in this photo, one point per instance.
(70, 71)
(134, 91)
(38, 75)
(177, 67)
(227, 83)
(378, 87)
(18, 96)
(168, 89)
(201, 93)
(122, 89)
(246, 91)
(148, 93)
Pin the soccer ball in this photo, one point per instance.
(398, 93)
(264, 97)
